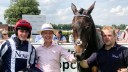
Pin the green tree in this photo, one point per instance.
(21, 7)
(1, 23)
(122, 26)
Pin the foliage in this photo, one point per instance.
(10, 33)
(68, 26)
(21, 7)
(62, 26)
(121, 26)
(1, 23)
(66, 34)
(98, 26)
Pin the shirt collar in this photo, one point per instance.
(115, 46)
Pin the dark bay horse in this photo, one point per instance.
(84, 32)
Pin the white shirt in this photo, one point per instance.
(71, 39)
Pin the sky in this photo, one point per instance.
(105, 12)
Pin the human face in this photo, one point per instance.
(57, 34)
(5, 36)
(108, 37)
(23, 34)
(47, 35)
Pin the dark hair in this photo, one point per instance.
(60, 32)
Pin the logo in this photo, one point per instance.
(115, 56)
(22, 54)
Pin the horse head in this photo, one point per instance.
(82, 25)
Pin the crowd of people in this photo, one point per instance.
(122, 37)
(18, 54)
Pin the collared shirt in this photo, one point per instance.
(49, 58)
(110, 60)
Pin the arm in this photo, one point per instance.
(33, 57)
(90, 61)
(84, 63)
(125, 55)
(67, 55)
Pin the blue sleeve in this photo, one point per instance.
(92, 59)
(63, 38)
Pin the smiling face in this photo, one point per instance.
(47, 35)
(22, 34)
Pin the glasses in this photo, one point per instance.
(4, 34)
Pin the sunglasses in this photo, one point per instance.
(4, 34)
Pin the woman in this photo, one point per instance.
(4, 36)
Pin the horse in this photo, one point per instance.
(84, 33)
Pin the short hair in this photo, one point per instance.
(60, 32)
(4, 32)
(110, 28)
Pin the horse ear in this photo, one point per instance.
(91, 8)
(74, 9)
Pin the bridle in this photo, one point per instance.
(79, 41)
(82, 15)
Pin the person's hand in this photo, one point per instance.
(122, 70)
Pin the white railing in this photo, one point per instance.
(70, 45)
(66, 66)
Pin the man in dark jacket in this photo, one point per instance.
(111, 57)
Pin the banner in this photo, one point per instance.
(67, 66)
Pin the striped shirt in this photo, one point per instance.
(16, 55)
